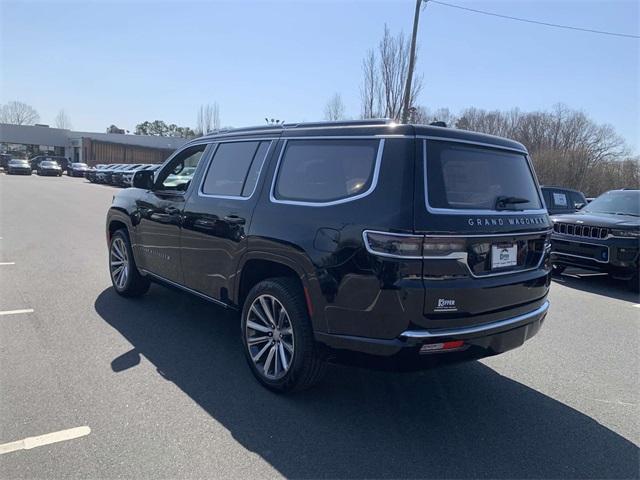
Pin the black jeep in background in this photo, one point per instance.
(603, 236)
(412, 243)
(562, 200)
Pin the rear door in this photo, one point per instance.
(218, 214)
(485, 229)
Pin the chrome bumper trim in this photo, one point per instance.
(485, 327)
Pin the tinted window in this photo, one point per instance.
(235, 168)
(326, 170)
(476, 178)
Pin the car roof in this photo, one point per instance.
(561, 188)
(373, 127)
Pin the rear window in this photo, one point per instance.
(466, 177)
(320, 171)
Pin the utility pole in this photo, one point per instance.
(412, 58)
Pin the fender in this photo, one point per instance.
(305, 270)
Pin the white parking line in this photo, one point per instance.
(55, 437)
(7, 263)
(16, 312)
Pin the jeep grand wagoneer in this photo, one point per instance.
(397, 241)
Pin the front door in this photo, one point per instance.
(160, 215)
(218, 214)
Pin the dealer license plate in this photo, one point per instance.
(504, 255)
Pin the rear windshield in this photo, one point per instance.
(47, 163)
(467, 177)
(18, 162)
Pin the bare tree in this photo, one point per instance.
(208, 118)
(18, 113)
(370, 89)
(334, 109)
(62, 120)
(216, 116)
(384, 75)
(567, 147)
(424, 116)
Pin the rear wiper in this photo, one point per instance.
(502, 201)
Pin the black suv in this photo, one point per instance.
(603, 236)
(562, 200)
(355, 239)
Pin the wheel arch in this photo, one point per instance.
(257, 266)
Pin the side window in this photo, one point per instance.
(178, 173)
(325, 170)
(577, 200)
(235, 168)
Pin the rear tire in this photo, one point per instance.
(280, 348)
(125, 277)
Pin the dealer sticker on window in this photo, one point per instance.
(504, 255)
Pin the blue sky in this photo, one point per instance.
(126, 62)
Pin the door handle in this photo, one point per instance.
(234, 220)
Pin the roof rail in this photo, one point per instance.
(338, 123)
(341, 123)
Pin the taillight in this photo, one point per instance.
(393, 244)
(412, 246)
(442, 247)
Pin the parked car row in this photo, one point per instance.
(117, 174)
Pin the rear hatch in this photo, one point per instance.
(486, 232)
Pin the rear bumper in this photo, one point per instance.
(479, 340)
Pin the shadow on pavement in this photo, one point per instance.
(597, 283)
(465, 421)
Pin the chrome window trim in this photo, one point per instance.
(456, 211)
(213, 155)
(372, 187)
(462, 257)
(453, 332)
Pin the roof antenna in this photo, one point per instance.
(438, 123)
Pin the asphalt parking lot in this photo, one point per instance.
(164, 389)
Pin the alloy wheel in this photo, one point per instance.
(119, 263)
(269, 337)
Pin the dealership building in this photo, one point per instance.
(26, 141)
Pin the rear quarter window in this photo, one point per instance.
(326, 170)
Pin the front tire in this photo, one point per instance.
(125, 277)
(278, 338)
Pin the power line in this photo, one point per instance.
(547, 24)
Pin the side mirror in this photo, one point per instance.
(578, 205)
(143, 179)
